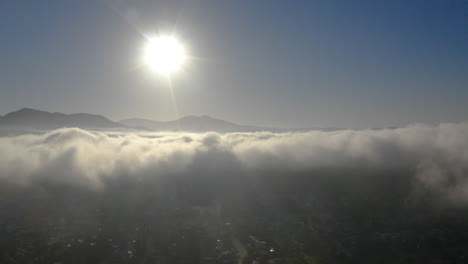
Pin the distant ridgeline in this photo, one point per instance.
(28, 118)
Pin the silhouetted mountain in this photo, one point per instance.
(28, 118)
(191, 123)
(36, 119)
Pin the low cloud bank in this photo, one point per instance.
(437, 156)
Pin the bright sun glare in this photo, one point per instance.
(164, 54)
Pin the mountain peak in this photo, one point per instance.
(25, 110)
(190, 123)
(38, 119)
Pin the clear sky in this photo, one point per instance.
(276, 63)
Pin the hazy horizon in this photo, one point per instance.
(243, 124)
(275, 63)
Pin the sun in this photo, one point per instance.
(164, 54)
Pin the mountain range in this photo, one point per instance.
(191, 123)
(28, 118)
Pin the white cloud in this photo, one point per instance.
(438, 155)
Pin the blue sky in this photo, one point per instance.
(277, 63)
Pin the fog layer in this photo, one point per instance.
(437, 156)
